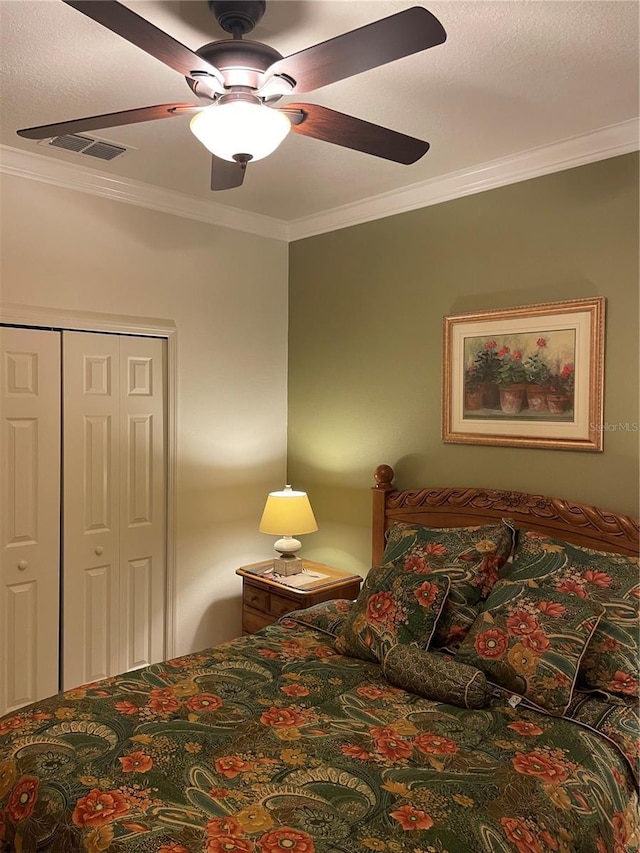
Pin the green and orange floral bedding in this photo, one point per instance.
(275, 742)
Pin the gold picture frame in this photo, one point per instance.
(526, 377)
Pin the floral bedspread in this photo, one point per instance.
(275, 742)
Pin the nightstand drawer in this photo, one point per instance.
(258, 598)
(253, 621)
(266, 597)
(279, 605)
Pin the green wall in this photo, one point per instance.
(365, 343)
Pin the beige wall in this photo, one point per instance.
(227, 293)
(365, 343)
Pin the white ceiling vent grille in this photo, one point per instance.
(86, 145)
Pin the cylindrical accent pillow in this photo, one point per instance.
(436, 677)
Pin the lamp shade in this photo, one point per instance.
(239, 127)
(287, 513)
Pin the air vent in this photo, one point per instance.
(70, 143)
(104, 150)
(86, 145)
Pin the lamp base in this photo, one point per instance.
(287, 565)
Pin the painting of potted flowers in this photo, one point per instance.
(528, 376)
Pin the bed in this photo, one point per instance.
(357, 727)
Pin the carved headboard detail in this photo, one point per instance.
(574, 522)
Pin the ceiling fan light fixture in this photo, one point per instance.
(240, 128)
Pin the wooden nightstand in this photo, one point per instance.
(266, 598)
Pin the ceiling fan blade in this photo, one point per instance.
(340, 129)
(79, 125)
(226, 175)
(359, 50)
(145, 35)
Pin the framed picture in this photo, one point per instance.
(528, 377)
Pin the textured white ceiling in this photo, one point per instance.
(513, 75)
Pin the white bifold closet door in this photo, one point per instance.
(29, 515)
(114, 505)
(93, 466)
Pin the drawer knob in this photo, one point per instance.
(22, 565)
(99, 549)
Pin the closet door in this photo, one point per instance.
(29, 515)
(91, 477)
(114, 496)
(142, 502)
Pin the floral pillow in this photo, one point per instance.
(393, 607)
(531, 642)
(328, 616)
(470, 556)
(611, 662)
(617, 718)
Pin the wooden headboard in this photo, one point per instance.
(458, 507)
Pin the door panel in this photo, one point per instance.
(114, 504)
(98, 473)
(22, 477)
(97, 612)
(29, 515)
(139, 649)
(142, 511)
(91, 515)
(139, 469)
(21, 623)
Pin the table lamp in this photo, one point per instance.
(287, 514)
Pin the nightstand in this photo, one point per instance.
(265, 598)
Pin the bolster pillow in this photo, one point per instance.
(435, 676)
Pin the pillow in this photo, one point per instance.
(531, 641)
(393, 607)
(470, 556)
(436, 676)
(616, 718)
(611, 662)
(327, 617)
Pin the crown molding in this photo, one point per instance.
(611, 141)
(39, 167)
(600, 144)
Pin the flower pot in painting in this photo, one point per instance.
(473, 399)
(490, 395)
(511, 399)
(537, 398)
(557, 403)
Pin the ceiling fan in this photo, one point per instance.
(239, 81)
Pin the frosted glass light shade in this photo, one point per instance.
(287, 513)
(239, 127)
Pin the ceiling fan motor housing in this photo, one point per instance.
(237, 17)
(242, 63)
